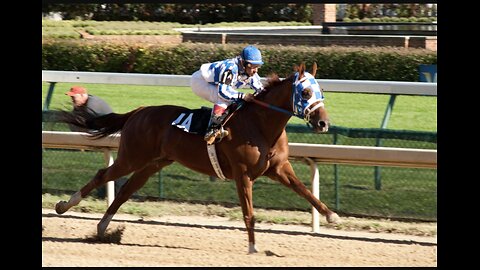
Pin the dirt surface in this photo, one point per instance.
(204, 241)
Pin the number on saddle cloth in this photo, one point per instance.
(196, 121)
(193, 121)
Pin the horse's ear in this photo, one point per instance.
(272, 77)
(314, 69)
(301, 70)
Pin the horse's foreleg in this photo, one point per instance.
(244, 190)
(134, 183)
(285, 175)
(102, 176)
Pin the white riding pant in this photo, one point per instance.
(206, 90)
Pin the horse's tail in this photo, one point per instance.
(97, 126)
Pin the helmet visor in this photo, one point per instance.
(251, 65)
(255, 62)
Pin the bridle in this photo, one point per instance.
(309, 110)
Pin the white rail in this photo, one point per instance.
(115, 78)
(345, 86)
(322, 153)
(311, 153)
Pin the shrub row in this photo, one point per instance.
(392, 19)
(346, 63)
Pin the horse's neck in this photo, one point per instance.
(272, 122)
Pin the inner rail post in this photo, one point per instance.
(315, 178)
(110, 185)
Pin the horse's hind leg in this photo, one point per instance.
(134, 183)
(284, 174)
(115, 171)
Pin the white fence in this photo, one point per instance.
(311, 153)
(346, 86)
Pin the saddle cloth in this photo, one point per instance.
(194, 121)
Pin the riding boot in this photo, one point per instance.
(215, 129)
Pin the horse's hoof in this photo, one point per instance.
(101, 231)
(60, 207)
(252, 249)
(101, 236)
(333, 218)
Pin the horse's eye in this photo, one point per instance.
(307, 93)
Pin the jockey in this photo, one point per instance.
(217, 82)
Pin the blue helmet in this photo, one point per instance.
(252, 55)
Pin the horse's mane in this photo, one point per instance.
(273, 81)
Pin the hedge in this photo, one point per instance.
(343, 63)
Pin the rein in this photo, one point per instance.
(270, 106)
(273, 107)
(266, 105)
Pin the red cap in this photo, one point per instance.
(76, 90)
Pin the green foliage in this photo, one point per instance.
(133, 28)
(60, 33)
(184, 13)
(86, 57)
(392, 19)
(59, 29)
(349, 63)
(390, 12)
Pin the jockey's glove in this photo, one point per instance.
(248, 97)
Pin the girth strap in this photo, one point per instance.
(212, 155)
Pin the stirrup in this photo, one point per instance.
(211, 136)
(223, 133)
(214, 133)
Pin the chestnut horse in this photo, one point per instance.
(256, 145)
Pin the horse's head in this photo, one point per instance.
(308, 99)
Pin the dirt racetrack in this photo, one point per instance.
(201, 241)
